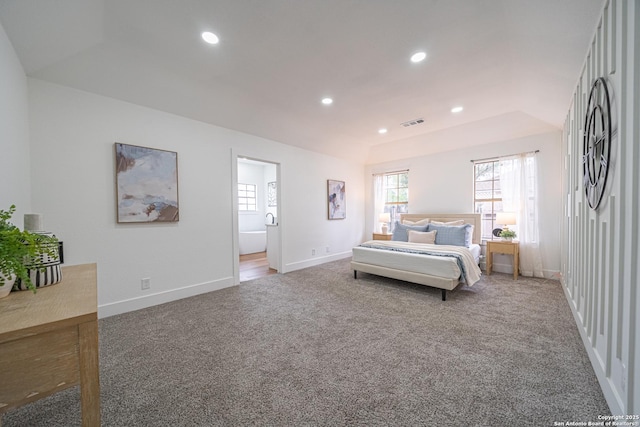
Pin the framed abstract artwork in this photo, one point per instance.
(146, 184)
(337, 199)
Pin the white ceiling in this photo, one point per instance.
(513, 59)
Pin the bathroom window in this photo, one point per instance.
(247, 200)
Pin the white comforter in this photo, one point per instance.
(471, 272)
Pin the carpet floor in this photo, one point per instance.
(317, 347)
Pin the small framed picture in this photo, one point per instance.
(272, 194)
(337, 199)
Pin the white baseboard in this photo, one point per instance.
(299, 265)
(124, 306)
(508, 269)
(132, 304)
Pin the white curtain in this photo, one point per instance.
(519, 187)
(378, 200)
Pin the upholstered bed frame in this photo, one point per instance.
(424, 279)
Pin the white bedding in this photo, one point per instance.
(446, 267)
(475, 251)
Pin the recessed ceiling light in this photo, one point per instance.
(327, 101)
(418, 56)
(210, 38)
(382, 131)
(456, 109)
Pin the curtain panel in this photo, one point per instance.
(378, 200)
(519, 187)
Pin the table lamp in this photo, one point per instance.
(506, 219)
(384, 218)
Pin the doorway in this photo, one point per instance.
(257, 227)
(254, 266)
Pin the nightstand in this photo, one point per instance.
(380, 236)
(503, 247)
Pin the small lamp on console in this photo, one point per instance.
(384, 218)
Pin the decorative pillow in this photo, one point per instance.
(420, 222)
(456, 222)
(469, 237)
(422, 237)
(455, 235)
(400, 231)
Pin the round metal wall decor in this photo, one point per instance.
(596, 143)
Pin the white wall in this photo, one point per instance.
(15, 184)
(601, 248)
(72, 137)
(443, 183)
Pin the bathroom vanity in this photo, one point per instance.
(273, 247)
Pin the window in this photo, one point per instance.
(247, 197)
(510, 185)
(487, 194)
(392, 195)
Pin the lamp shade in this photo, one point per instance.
(506, 218)
(384, 217)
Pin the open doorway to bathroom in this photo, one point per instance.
(253, 266)
(257, 207)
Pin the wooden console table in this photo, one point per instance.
(507, 248)
(49, 342)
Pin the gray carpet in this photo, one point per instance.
(316, 347)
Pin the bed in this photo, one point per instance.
(438, 266)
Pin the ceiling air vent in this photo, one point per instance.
(412, 123)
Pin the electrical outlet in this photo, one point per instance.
(145, 283)
(327, 249)
(313, 252)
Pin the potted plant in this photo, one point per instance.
(20, 251)
(508, 234)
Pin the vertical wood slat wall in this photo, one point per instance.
(600, 248)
